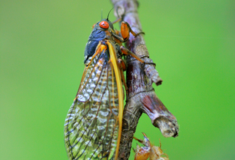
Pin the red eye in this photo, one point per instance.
(104, 24)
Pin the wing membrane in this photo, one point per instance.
(91, 126)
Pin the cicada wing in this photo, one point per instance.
(91, 126)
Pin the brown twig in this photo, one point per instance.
(141, 96)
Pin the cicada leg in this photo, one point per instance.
(123, 36)
(145, 142)
(125, 51)
(165, 158)
(122, 66)
(125, 33)
(142, 153)
(117, 37)
(126, 30)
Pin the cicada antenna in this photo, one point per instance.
(109, 13)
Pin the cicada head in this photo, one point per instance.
(101, 30)
(103, 25)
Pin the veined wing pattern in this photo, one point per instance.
(91, 126)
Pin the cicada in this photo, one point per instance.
(149, 150)
(94, 121)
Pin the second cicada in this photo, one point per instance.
(94, 121)
(149, 151)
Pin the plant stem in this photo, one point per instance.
(141, 97)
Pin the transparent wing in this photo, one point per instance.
(91, 126)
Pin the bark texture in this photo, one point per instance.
(141, 97)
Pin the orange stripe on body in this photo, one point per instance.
(113, 60)
(100, 47)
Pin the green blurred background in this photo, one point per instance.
(42, 45)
